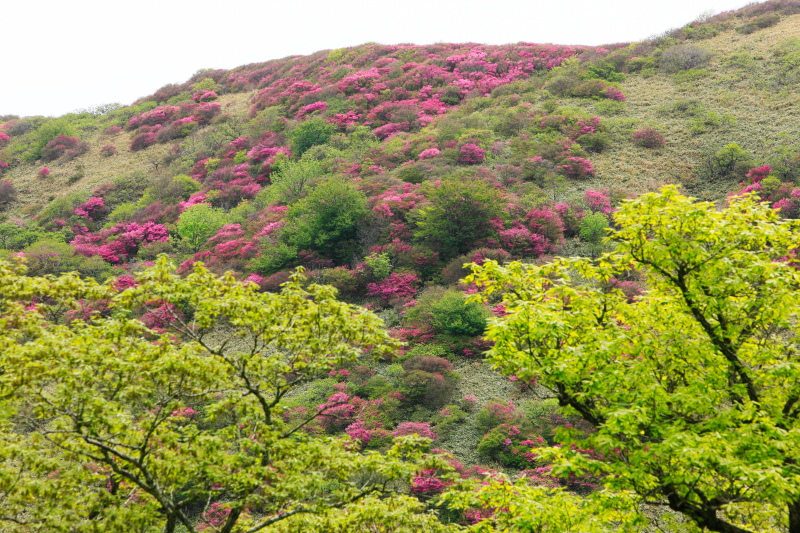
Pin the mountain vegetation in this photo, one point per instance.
(245, 302)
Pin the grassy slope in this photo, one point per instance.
(34, 193)
(766, 117)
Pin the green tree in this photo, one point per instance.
(312, 132)
(327, 220)
(694, 387)
(291, 181)
(458, 216)
(592, 229)
(108, 426)
(198, 223)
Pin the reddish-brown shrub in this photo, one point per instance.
(8, 193)
(428, 364)
(64, 147)
(648, 138)
(142, 141)
(108, 150)
(112, 130)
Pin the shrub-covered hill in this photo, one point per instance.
(383, 169)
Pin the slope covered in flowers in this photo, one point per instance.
(381, 170)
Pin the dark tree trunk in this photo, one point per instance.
(794, 517)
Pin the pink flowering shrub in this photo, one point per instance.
(522, 242)
(577, 168)
(597, 201)
(142, 141)
(214, 518)
(648, 138)
(547, 222)
(120, 242)
(204, 96)
(397, 287)
(495, 413)
(44, 172)
(93, 209)
(344, 120)
(759, 173)
(158, 116)
(429, 153)
(512, 445)
(4, 138)
(358, 431)
(176, 130)
(423, 429)
(112, 130)
(310, 108)
(427, 484)
(386, 131)
(612, 93)
(471, 153)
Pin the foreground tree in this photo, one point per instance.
(110, 426)
(693, 387)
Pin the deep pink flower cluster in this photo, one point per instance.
(423, 429)
(597, 201)
(93, 209)
(395, 287)
(119, 242)
(159, 115)
(759, 173)
(429, 153)
(426, 483)
(471, 153)
(310, 108)
(204, 96)
(577, 168)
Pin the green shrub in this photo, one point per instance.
(273, 258)
(447, 312)
(731, 160)
(447, 419)
(691, 75)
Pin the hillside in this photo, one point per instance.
(382, 170)
(431, 155)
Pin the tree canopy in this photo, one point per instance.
(108, 425)
(693, 387)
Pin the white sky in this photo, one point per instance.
(57, 56)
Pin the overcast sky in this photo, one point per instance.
(57, 56)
